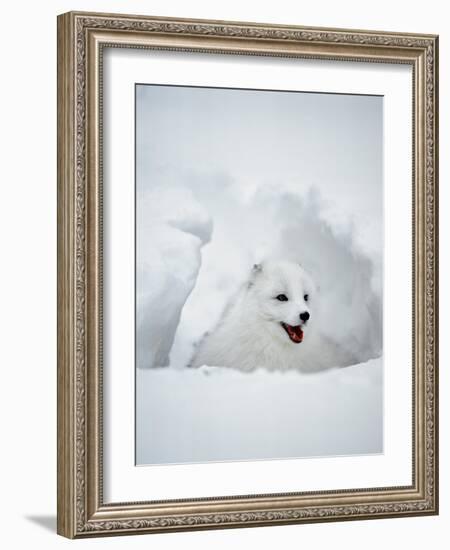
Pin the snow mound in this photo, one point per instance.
(172, 229)
(218, 414)
(275, 221)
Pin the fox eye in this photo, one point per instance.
(282, 297)
(306, 297)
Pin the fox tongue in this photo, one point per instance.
(295, 333)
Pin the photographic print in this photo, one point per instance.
(247, 274)
(259, 274)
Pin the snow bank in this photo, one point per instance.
(172, 228)
(220, 188)
(183, 289)
(217, 414)
(294, 224)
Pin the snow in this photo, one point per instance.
(167, 269)
(218, 414)
(302, 183)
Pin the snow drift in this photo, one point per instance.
(182, 292)
(226, 179)
(193, 254)
(217, 414)
(172, 229)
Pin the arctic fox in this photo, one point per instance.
(269, 324)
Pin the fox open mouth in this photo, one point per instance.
(294, 333)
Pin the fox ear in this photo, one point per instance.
(256, 269)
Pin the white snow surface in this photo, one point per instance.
(301, 183)
(219, 414)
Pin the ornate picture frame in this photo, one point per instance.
(82, 40)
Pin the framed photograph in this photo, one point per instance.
(247, 274)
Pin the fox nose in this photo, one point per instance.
(304, 316)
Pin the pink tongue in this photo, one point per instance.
(296, 333)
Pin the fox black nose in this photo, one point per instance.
(304, 316)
